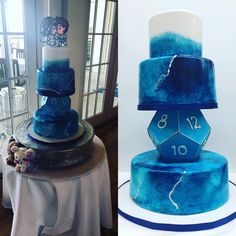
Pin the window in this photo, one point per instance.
(101, 34)
(14, 102)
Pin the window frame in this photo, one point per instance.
(108, 110)
(27, 6)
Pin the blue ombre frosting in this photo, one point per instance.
(176, 82)
(55, 83)
(179, 188)
(176, 76)
(62, 65)
(170, 44)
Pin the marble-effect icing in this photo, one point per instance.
(55, 127)
(56, 83)
(179, 82)
(171, 43)
(179, 188)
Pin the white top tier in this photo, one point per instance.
(55, 53)
(182, 22)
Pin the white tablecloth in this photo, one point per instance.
(126, 227)
(71, 202)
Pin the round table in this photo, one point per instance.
(73, 201)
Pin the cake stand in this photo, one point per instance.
(58, 154)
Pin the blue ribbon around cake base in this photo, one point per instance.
(177, 227)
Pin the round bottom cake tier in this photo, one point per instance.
(51, 127)
(179, 188)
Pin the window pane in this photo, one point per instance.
(94, 77)
(19, 100)
(97, 49)
(19, 119)
(91, 104)
(98, 59)
(17, 54)
(106, 48)
(89, 49)
(1, 30)
(12, 64)
(103, 76)
(100, 16)
(5, 126)
(100, 99)
(3, 64)
(14, 15)
(86, 80)
(110, 16)
(84, 107)
(4, 101)
(91, 16)
(16, 60)
(3, 136)
(2, 47)
(115, 102)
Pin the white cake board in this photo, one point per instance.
(34, 135)
(186, 223)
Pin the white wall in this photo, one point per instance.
(219, 45)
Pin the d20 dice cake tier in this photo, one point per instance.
(178, 178)
(56, 81)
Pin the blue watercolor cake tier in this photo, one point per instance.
(55, 127)
(179, 188)
(56, 83)
(176, 82)
(171, 43)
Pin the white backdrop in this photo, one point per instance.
(219, 45)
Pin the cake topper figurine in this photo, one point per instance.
(53, 31)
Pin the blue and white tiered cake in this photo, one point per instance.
(55, 135)
(56, 82)
(178, 178)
